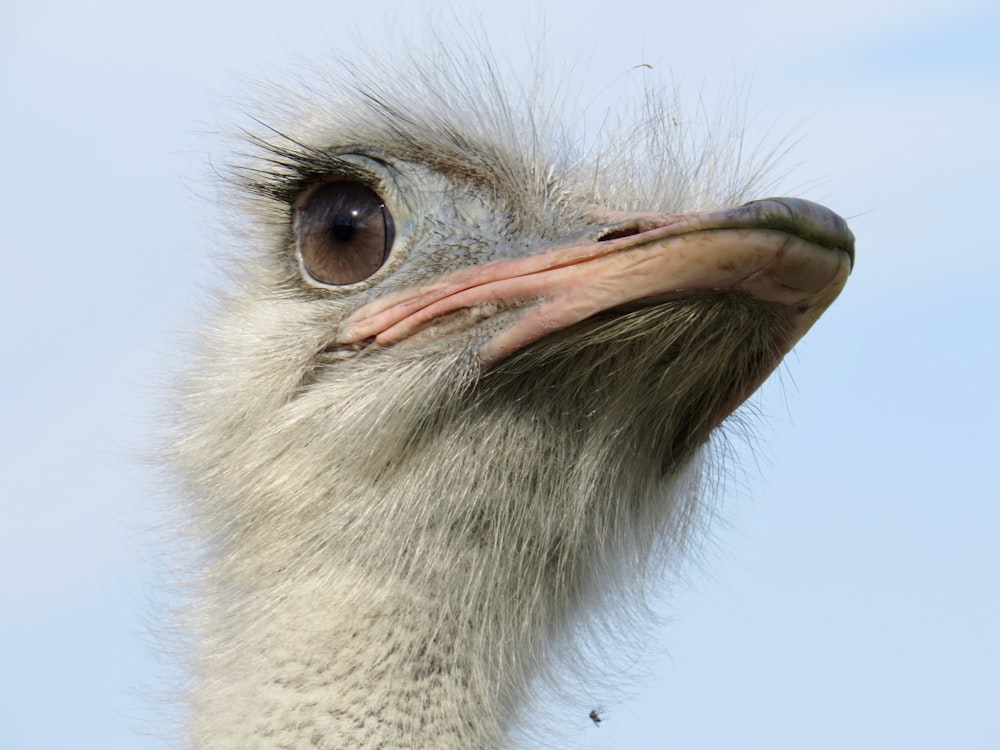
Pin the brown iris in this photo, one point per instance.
(345, 233)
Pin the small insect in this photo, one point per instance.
(595, 717)
(642, 65)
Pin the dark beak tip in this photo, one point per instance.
(806, 219)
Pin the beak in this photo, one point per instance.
(779, 250)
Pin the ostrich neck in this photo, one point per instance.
(414, 609)
(397, 593)
(391, 553)
(339, 662)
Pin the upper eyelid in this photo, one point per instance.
(288, 173)
(374, 178)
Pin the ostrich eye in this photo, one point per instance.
(344, 233)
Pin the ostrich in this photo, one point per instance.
(459, 397)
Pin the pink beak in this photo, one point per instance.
(780, 250)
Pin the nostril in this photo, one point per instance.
(616, 233)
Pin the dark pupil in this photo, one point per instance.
(344, 226)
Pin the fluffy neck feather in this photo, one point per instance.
(392, 543)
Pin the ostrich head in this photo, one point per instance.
(462, 385)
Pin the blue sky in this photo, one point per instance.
(851, 595)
